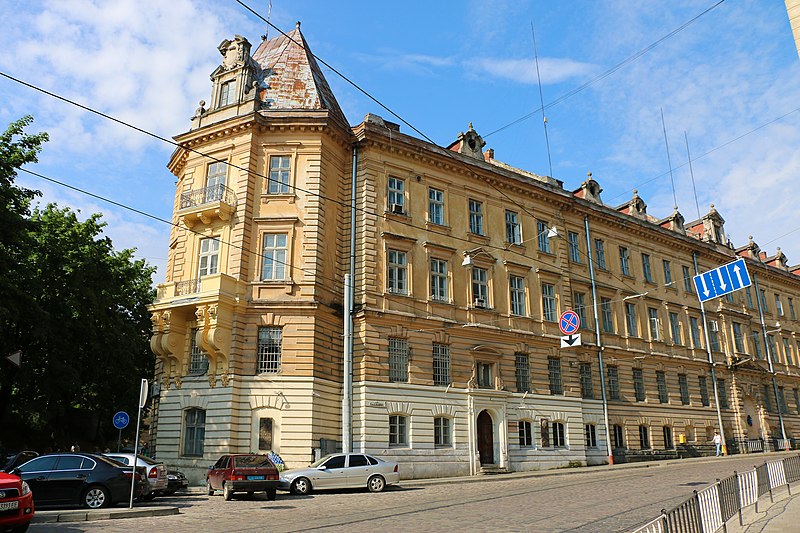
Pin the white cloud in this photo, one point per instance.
(552, 70)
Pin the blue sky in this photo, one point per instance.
(439, 65)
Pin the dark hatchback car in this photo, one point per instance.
(84, 479)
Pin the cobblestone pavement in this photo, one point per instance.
(588, 501)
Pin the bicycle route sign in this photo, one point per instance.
(121, 420)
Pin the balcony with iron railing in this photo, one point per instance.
(211, 287)
(204, 206)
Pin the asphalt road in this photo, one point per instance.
(588, 500)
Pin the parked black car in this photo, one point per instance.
(176, 481)
(13, 460)
(89, 480)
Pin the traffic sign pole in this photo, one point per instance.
(142, 401)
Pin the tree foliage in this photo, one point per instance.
(84, 328)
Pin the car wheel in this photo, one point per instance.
(227, 492)
(376, 484)
(209, 490)
(95, 497)
(271, 494)
(301, 486)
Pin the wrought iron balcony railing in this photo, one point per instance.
(208, 195)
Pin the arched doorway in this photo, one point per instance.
(486, 438)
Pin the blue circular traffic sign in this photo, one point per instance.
(121, 420)
(569, 322)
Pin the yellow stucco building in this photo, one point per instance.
(460, 267)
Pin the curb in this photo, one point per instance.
(82, 515)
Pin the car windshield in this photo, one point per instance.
(246, 461)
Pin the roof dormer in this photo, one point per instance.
(469, 143)
(589, 190)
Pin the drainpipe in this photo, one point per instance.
(769, 362)
(599, 344)
(347, 392)
(711, 364)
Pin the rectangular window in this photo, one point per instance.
(713, 335)
(703, 382)
(441, 432)
(227, 93)
(542, 229)
(688, 282)
(638, 384)
(791, 309)
(749, 296)
(439, 283)
(587, 389)
(265, 434)
(683, 385)
(554, 375)
(398, 274)
(729, 298)
(398, 360)
(522, 372)
(757, 344)
(480, 287)
(548, 302)
(525, 434)
(766, 399)
(208, 260)
(398, 431)
(513, 229)
(667, 272)
(194, 432)
(624, 261)
(778, 305)
(274, 257)
(613, 382)
(782, 401)
(796, 400)
(675, 328)
(762, 296)
(668, 443)
(694, 327)
(619, 437)
(644, 438)
(559, 437)
(630, 319)
(436, 206)
(517, 288)
(590, 431)
(646, 271)
(397, 196)
(441, 364)
(278, 174)
(772, 353)
(653, 323)
(787, 351)
(579, 302)
(600, 254)
(270, 341)
(215, 182)
(608, 315)
(484, 371)
(574, 247)
(661, 381)
(722, 392)
(544, 432)
(476, 217)
(198, 360)
(738, 340)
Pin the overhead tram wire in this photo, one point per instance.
(605, 74)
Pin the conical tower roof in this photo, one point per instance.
(291, 77)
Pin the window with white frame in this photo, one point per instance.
(274, 257)
(548, 302)
(208, 260)
(517, 288)
(590, 432)
(476, 217)
(227, 93)
(398, 360)
(439, 283)
(270, 342)
(522, 372)
(215, 181)
(397, 195)
(653, 322)
(398, 431)
(513, 229)
(559, 435)
(442, 432)
(525, 431)
(198, 360)
(441, 364)
(778, 305)
(542, 237)
(436, 206)
(194, 432)
(574, 247)
(398, 272)
(480, 287)
(278, 174)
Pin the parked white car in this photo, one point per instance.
(339, 471)
(156, 472)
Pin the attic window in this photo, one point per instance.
(227, 93)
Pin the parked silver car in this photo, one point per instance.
(156, 472)
(339, 471)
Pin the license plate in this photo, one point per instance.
(5, 506)
(256, 478)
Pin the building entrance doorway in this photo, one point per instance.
(486, 438)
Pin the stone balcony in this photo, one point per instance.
(206, 205)
(206, 288)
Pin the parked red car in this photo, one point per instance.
(243, 473)
(16, 504)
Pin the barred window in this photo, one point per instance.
(525, 434)
(278, 174)
(703, 382)
(587, 390)
(661, 380)
(398, 431)
(270, 341)
(683, 385)
(441, 432)
(638, 384)
(198, 361)
(590, 432)
(613, 382)
(441, 364)
(522, 372)
(554, 375)
(398, 360)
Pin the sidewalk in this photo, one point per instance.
(85, 515)
(781, 516)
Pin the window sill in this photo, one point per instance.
(392, 293)
(440, 301)
(285, 197)
(477, 237)
(396, 216)
(439, 228)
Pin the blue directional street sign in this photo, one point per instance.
(121, 420)
(722, 280)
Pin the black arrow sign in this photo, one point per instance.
(570, 339)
